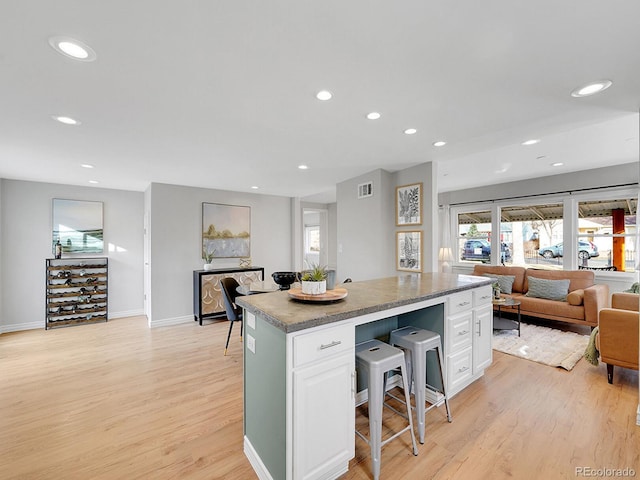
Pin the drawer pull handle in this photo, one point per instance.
(485, 297)
(463, 369)
(463, 332)
(463, 304)
(335, 343)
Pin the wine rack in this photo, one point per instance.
(77, 291)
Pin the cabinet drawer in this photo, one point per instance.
(460, 331)
(459, 369)
(460, 302)
(482, 296)
(323, 343)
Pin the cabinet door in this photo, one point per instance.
(459, 370)
(323, 418)
(459, 332)
(482, 336)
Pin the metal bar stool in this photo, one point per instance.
(378, 358)
(417, 342)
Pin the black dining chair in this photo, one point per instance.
(234, 313)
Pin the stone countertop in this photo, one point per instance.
(290, 315)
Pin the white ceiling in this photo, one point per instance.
(221, 94)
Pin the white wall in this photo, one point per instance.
(365, 228)
(426, 174)
(175, 225)
(25, 237)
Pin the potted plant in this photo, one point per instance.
(314, 281)
(496, 291)
(208, 258)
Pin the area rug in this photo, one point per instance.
(542, 344)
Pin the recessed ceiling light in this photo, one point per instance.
(557, 164)
(439, 144)
(591, 89)
(72, 48)
(531, 142)
(254, 187)
(410, 131)
(93, 181)
(324, 95)
(373, 116)
(86, 165)
(66, 120)
(302, 167)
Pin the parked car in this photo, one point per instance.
(478, 249)
(585, 250)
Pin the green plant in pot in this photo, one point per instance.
(208, 258)
(314, 281)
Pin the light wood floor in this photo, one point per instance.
(121, 401)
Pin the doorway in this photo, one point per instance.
(314, 237)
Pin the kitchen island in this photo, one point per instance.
(300, 385)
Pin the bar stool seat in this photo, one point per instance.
(417, 342)
(378, 358)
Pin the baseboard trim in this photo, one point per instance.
(18, 327)
(165, 322)
(126, 313)
(256, 461)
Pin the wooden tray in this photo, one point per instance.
(329, 296)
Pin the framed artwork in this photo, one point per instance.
(409, 251)
(409, 204)
(226, 230)
(77, 224)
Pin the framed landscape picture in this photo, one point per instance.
(409, 251)
(409, 204)
(226, 230)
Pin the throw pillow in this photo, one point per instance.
(549, 289)
(576, 297)
(505, 282)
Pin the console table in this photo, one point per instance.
(207, 293)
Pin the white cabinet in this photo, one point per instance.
(482, 324)
(459, 370)
(467, 344)
(323, 402)
(483, 329)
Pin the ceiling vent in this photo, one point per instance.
(365, 190)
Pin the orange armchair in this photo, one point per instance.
(617, 339)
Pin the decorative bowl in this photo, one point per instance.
(284, 279)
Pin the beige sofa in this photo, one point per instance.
(581, 306)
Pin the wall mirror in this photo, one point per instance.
(77, 224)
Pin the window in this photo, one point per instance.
(474, 236)
(606, 234)
(532, 234)
(601, 228)
(312, 238)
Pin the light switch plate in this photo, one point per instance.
(251, 319)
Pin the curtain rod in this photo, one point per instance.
(565, 192)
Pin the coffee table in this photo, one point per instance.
(506, 323)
